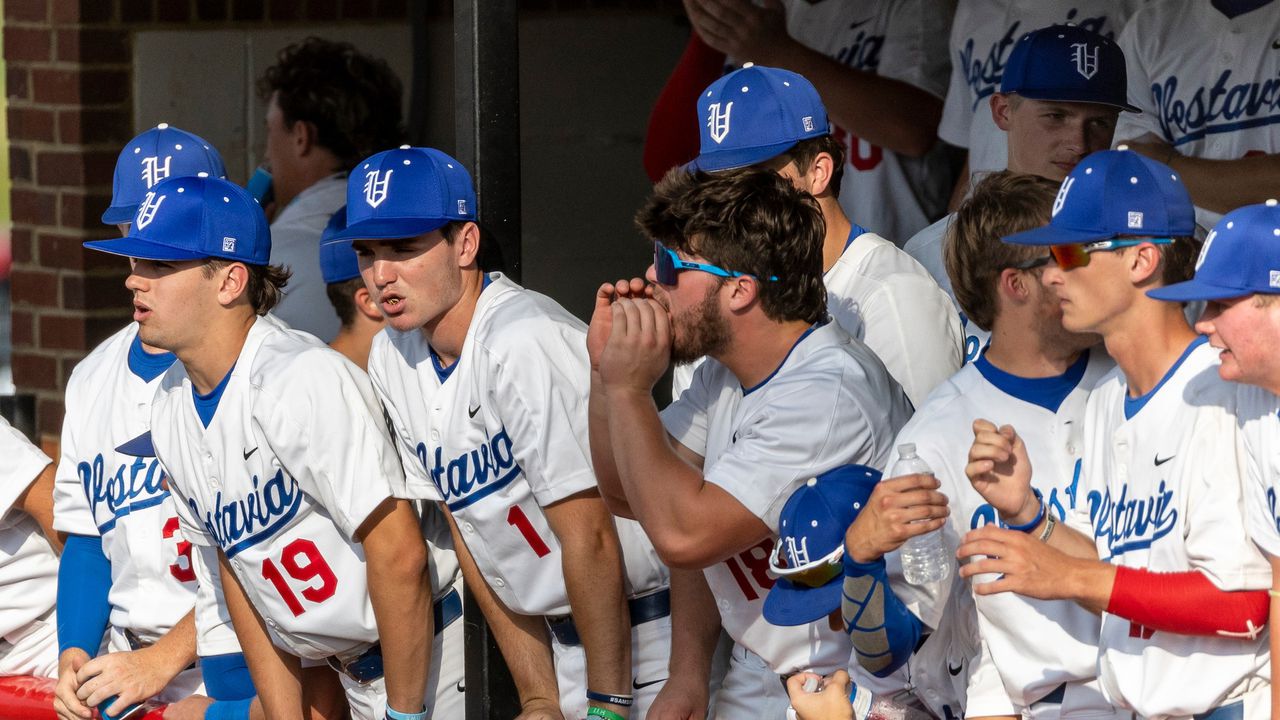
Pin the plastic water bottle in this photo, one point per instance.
(870, 706)
(924, 557)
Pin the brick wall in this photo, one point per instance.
(69, 81)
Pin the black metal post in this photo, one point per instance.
(487, 108)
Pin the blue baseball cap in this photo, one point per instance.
(338, 261)
(811, 528)
(193, 218)
(1112, 193)
(161, 152)
(406, 192)
(1241, 256)
(754, 114)
(1067, 63)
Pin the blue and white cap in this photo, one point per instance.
(1070, 64)
(406, 192)
(754, 114)
(193, 218)
(1241, 256)
(810, 529)
(158, 153)
(1113, 193)
(338, 262)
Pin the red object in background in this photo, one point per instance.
(31, 698)
(6, 256)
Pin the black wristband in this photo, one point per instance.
(620, 700)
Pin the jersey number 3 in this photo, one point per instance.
(181, 569)
(304, 563)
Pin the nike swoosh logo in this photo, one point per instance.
(1160, 461)
(247, 453)
(954, 670)
(461, 687)
(636, 684)
(471, 411)
(1275, 44)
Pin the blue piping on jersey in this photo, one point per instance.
(805, 334)
(264, 534)
(1046, 392)
(145, 365)
(206, 405)
(1132, 405)
(120, 512)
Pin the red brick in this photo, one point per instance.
(170, 11)
(26, 11)
(81, 11)
(61, 252)
(32, 371)
(139, 11)
(34, 207)
(61, 332)
(26, 123)
(93, 46)
(35, 287)
(105, 86)
(59, 168)
(49, 412)
(22, 328)
(29, 44)
(211, 9)
(95, 292)
(79, 126)
(61, 87)
(78, 210)
(23, 245)
(19, 164)
(17, 80)
(286, 10)
(97, 329)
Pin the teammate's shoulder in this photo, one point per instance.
(929, 236)
(283, 354)
(515, 319)
(110, 355)
(876, 258)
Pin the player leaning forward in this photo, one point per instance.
(485, 385)
(279, 459)
(1161, 548)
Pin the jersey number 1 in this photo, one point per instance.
(517, 519)
(314, 567)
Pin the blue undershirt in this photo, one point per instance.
(206, 405)
(854, 232)
(444, 371)
(1047, 392)
(1134, 404)
(145, 365)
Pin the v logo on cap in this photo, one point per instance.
(147, 210)
(718, 122)
(1086, 61)
(375, 190)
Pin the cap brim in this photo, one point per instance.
(140, 446)
(135, 247)
(117, 214)
(787, 604)
(1050, 235)
(1075, 96)
(1193, 290)
(740, 158)
(390, 228)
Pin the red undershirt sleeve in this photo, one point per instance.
(672, 136)
(1187, 603)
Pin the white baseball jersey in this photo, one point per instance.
(294, 459)
(982, 35)
(830, 403)
(1033, 645)
(123, 499)
(891, 194)
(28, 565)
(501, 434)
(1258, 413)
(927, 248)
(882, 297)
(1163, 475)
(1217, 100)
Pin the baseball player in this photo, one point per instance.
(126, 567)
(1240, 322)
(361, 321)
(983, 34)
(767, 117)
(29, 562)
(881, 78)
(1209, 109)
(784, 396)
(1159, 549)
(278, 460)
(482, 380)
(1060, 92)
(1034, 658)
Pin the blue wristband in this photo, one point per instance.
(229, 709)
(397, 715)
(619, 700)
(1035, 522)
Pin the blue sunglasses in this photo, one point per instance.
(667, 265)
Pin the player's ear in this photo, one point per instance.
(304, 135)
(819, 174)
(1145, 264)
(743, 292)
(234, 284)
(466, 244)
(1012, 283)
(1001, 107)
(366, 305)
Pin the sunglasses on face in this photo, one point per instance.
(1070, 257)
(814, 574)
(667, 265)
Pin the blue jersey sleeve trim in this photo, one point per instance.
(229, 710)
(84, 582)
(881, 647)
(226, 677)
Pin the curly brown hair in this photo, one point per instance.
(352, 99)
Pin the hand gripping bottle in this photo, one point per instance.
(924, 557)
